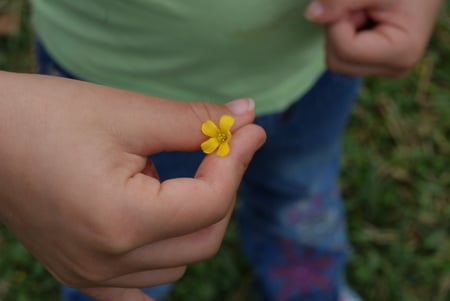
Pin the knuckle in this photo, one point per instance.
(336, 59)
(213, 249)
(201, 110)
(113, 231)
(343, 54)
(220, 212)
(337, 51)
(112, 238)
(212, 243)
(92, 271)
(170, 275)
(404, 66)
(332, 64)
(87, 274)
(220, 203)
(179, 273)
(92, 277)
(83, 272)
(117, 243)
(407, 57)
(68, 281)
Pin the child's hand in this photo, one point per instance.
(395, 37)
(77, 190)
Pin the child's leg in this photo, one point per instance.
(290, 215)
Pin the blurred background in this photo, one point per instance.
(395, 179)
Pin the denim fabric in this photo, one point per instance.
(72, 294)
(290, 214)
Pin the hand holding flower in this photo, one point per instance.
(76, 190)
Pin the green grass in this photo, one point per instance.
(395, 180)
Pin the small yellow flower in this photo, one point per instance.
(219, 136)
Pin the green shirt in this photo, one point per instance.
(187, 50)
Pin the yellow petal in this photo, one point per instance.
(209, 145)
(224, 149)
(225, 123)
(210, 129)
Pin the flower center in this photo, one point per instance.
(222, 137)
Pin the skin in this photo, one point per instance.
(77, 190)
(391, 47)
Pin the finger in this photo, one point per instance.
(150, 125)
(150, 170)
(220, 178)
(328, 11)
(147, 278)
(188, 205)
(380, 48)
(116, 294)
(141, 124)
(174, 252)
(352, 69)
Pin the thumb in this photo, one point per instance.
(167, 125)
(329, 11)
(116, 294)
(186, 205)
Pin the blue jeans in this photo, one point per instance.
(290, 214)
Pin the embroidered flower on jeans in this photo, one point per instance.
(219, 136)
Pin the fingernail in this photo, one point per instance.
(241, 106)
(314, 10)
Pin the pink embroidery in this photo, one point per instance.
(301, 272)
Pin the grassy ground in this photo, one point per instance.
(396, 182)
